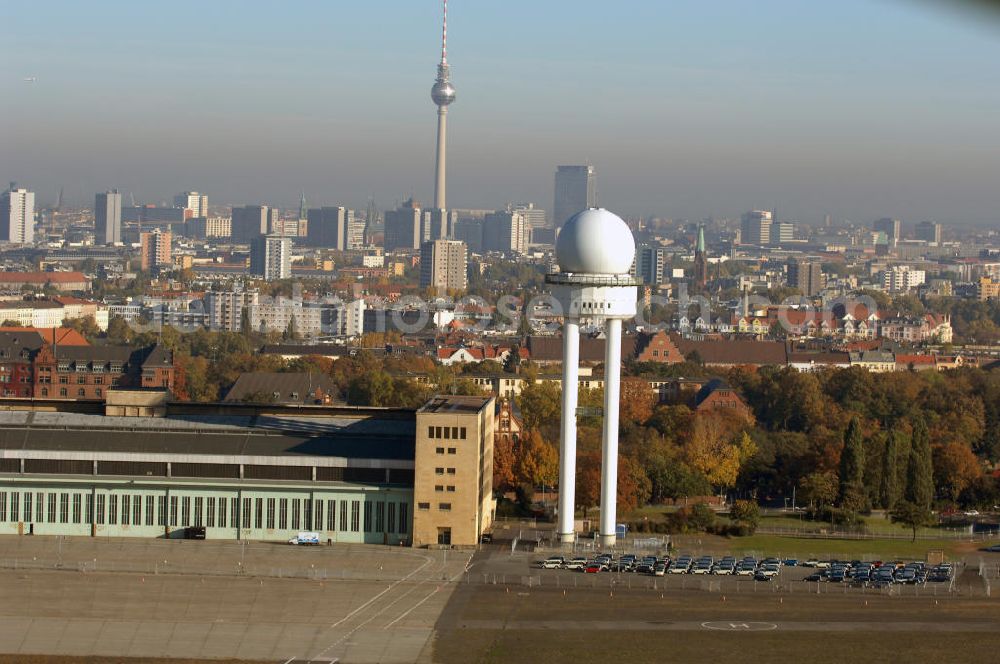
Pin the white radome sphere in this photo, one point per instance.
(595, 241)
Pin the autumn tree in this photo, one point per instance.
(540, 404)
(715, 452)
(504, 461)
(746, 513)
(955, 467)
(851, 492)
(920, 468)
(588, 481)
(889, 490)
(912, 515)
(634, 487)
(538, 463)
(819, 489)
(637, 402)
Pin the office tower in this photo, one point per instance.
(155, 249)
(505, 231)
(470, 231)
(755, 227)
(17, 215)
(533, 217)
(575, 190)
(192, 200)
(210, 227)
(929, 232)
(806, 275)
(251, 222)
(271, 257)
(891, 228)
(440, 224)
(651, 263)
(334, 228)
(443, 265)
(443, 94)
(782, 232)
(595, 250)
(405, 227)
(108, 218)
(700, 260)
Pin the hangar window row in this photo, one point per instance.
(210, 511)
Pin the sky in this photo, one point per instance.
(857, 108)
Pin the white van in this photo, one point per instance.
(305, 538)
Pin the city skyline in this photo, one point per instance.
(867, 113)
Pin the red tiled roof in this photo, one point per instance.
(63, 336)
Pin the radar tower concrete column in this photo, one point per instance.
(567, 430)
(609, 455)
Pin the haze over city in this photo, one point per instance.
(857, 109)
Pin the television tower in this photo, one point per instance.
(443, 94)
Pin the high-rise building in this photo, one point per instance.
(192, 200)
(901, 278)
(806, 275)
(155, 249)
(575, 190)
(335, 228)
(505, 231)
(891, 228)
(17, 215)
(470, 231)
(929, 232)
(444, 265)
(755, 227)
(251, 222)
(651, 262)
(405, 227)
(108, 217)
(207, 227)
(443, 94)
(271, 257)
(534, 217)
(782, 232)
(225, 308)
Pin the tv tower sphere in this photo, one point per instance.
(443, 92)
(595, 241)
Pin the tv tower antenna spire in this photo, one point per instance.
(443, 94)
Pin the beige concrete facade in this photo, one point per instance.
(453, 483)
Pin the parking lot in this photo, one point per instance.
(715, 573)
(513, 609)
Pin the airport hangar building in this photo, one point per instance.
(139, 465)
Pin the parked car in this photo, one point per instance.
(592, 568)
(575, 563)
(553, 562)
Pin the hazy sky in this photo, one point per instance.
(862, 108)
